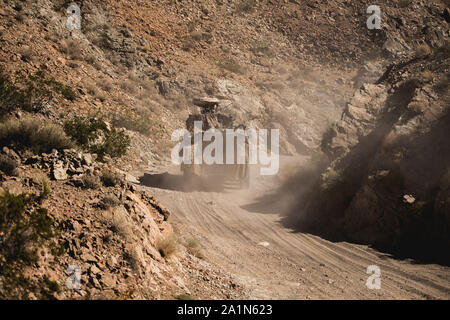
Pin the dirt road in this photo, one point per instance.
(273, 262)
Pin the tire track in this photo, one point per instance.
(295, 265)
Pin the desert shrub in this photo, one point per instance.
(104, 40)
(117, 222)
(8, 165)
(443, 51)
(26, 54)
(422, 50)
(427, 76)
(167, 246)
(91, 181)
(40, 84)
(193, 37)
(442, 86)
(128, 86)
(26, 94)
(93, 135)
(191, 243)
(115, 144)
(109, 201)
(417, 107)
(110, 178)
(72, 49)
(83, 131)
(29, 92)
(192, 246)
(231, 66)
(92, 90)
(24, 228)
(33, 134)
(106, 85)
(140, 121)
(91, 59)
(246, 6)
(261, 47)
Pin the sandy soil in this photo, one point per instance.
(293, 265)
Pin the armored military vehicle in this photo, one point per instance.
(228, 175)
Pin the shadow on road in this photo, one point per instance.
(178, 182)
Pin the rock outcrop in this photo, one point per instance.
(109, 235)
(387, 179)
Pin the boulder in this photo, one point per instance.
(59, 171)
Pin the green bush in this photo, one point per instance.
(29, 92)
(94, 136)
(33, 134)
(24, 227)
(84, 131)
(115, 144)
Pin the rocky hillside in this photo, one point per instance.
(80, 109)
(384, 176)
(96, 227)
(285, 64)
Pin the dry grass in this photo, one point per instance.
(117, 221)
(128, 86)
(106, 85)
(192, 247)
(109, 201)
(167, 247)
(33, 134)
(232, 66)
(110, 178)
(91, 182)
(72, 49)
